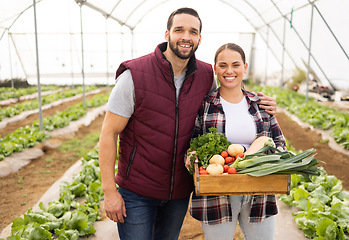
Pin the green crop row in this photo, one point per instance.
(324, 206)
(319, 116)
(34, 104)
(7, 92)
(26, 137)
(73, 214)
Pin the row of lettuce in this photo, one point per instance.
(28, 136)
(72, 215)
(323, 206)
(9, 92)
(319, 116)
(322, 203)
(16, 109)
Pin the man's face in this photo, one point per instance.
(184, 36)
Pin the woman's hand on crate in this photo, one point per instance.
(187, 159)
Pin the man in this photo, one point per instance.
(152, 109)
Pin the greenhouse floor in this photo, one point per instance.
(285, 229)
(302, 136)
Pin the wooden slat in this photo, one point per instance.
(241, 184)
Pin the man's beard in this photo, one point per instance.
(174, 48)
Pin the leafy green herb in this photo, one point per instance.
(206, 146)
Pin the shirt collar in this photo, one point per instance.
(214, 97)
(191, 64)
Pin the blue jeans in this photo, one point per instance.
(240, 206)
(150, 218)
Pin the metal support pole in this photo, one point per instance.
(38, 68)
(329, 28)
(283, 56)
(251, 65)
(18, 55)
(9, 56)
(82, 59)
(305, 45)
(71, 43)
(71, 58)
(309, 55)
(266, 58)
(107, 52)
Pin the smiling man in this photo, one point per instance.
(152, 110)
(183, 38)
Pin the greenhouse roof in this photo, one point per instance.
(278, 36)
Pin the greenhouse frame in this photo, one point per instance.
(84, 41)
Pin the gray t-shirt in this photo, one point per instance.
(122, 98)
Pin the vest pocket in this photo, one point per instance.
(130, 161)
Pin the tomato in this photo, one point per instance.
(225, 168)
(231, 170)
(229, 160)
(240, 155)
(224, 154)
(203, 172)
(201, 168)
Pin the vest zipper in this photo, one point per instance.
(176, 134)
(174, 152)
(130, 161)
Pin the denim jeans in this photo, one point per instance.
(240, 206)
(151, 219)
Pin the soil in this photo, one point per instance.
(335, 163)
(21, 190)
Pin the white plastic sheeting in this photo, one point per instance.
(279, 33)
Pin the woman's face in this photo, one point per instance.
(230, 68)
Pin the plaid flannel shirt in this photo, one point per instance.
(216, 209)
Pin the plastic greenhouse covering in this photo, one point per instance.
(77, 41)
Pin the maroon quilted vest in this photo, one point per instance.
(157, 136)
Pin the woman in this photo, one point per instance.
(234, 112)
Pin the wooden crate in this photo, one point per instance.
(240, 184)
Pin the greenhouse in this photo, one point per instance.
(58, 65)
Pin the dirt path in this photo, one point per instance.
(21, 190)
(335, 163)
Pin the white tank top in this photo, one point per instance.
(240, 127)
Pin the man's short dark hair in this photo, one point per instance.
(189, 11)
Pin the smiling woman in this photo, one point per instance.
(219, 110)
(230, 67)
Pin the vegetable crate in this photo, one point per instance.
(240, 184)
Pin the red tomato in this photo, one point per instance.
(231, 170)
(203, 172)
(225, 168)
(201, 168)
(224, 154)
(240, 155)
(229, 160)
